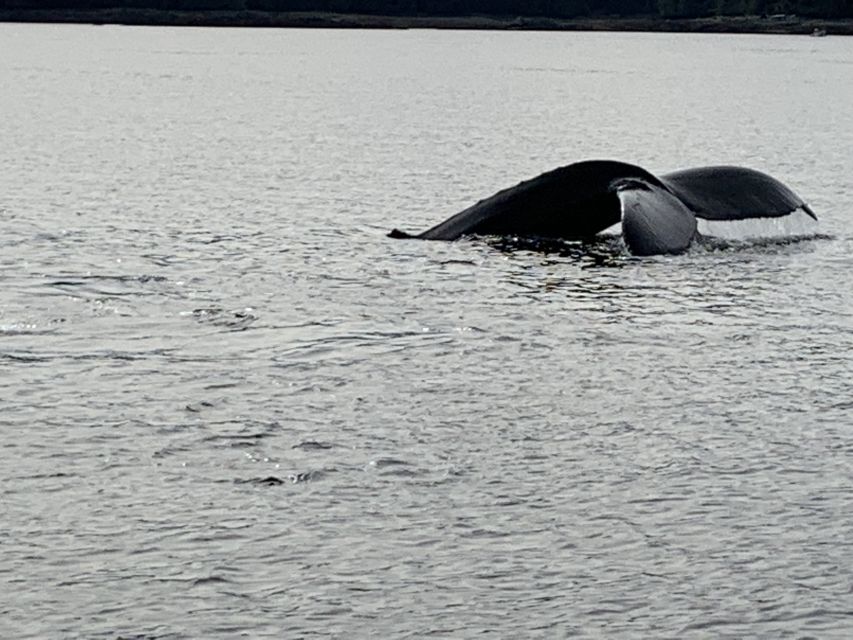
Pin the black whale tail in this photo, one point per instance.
(658, 214)
(655, 222)
(400, 235)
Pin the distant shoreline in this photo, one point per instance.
(153, 17)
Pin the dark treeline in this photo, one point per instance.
(537, 8)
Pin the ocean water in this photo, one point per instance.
(231, 407)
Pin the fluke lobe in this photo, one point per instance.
(658, 214)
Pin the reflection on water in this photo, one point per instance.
(602, 251)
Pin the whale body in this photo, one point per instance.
(658, 213)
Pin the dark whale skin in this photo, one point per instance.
(658, 214)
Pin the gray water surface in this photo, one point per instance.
(231, 407)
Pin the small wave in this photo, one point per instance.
(24, 329)
(313, 445)
(268, 481)
(305, 476)
(396, 467)
(77, 280)
(23, 357)
(124, 356)
(199, 406)
(237, 320)
(239, 440)
(170, 450)
(48, 476)
(389, 462)
(275, 481)
(210, 580)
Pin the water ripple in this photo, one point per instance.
(230, 406)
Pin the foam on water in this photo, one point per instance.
(797, 224)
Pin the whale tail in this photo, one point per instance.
(400, 235)
(655, 222)
(658, 214)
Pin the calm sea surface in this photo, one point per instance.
(231, 407)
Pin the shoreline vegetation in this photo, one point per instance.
(777, 24)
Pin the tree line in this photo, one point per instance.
(502, 8)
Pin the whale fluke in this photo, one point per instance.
(658, 214)
(733, 193)
(655, 221)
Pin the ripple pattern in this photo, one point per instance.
(232, 408)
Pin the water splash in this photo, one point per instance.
(796, 225)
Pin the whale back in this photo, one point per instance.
(572, 202)
(733, 193)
